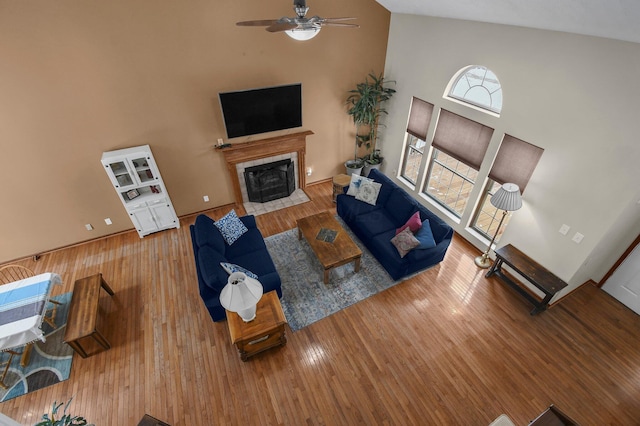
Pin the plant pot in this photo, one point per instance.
(368, 166)
(354, 167)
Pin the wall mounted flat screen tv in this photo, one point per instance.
(249, 112)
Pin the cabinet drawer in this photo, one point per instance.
(136, 205)
(157, 202)
(268, 340)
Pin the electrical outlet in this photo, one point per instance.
(205, 198)
(108, 221)
(220, 141)
(577, 238)
(89, 227)
(564, 229)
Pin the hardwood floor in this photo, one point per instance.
(446, 347)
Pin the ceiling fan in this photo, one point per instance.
(300, 27)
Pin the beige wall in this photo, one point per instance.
(81, 77)
(572, 95)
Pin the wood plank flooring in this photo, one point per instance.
(446, 347)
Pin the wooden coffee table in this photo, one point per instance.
(330, 254)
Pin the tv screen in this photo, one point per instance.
(249, 112)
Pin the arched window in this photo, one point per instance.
(478, 86)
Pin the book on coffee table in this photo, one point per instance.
(326, 235)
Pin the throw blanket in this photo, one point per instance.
(22, 307)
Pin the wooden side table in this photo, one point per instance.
(264, 332)
(339, 182)
(532, 271)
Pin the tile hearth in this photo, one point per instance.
(297, 197)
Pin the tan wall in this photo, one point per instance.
(81, 77)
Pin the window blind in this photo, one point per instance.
(465, 140)
(515, 162)
(419, 118)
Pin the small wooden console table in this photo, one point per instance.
(532, 271)
(83, 313)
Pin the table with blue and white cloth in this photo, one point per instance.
(23, 305)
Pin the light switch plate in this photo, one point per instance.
(564, 229)
(577, 238)
(108, 221)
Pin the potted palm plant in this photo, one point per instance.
(365, 106)
(61, 419)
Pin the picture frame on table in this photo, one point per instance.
(132, 194)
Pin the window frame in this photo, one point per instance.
(463, 74)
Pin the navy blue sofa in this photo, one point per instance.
(249, 251)
(375, 225)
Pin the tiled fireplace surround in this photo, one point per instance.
(242, 155)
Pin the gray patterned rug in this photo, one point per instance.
(50, 361)
(305, 297)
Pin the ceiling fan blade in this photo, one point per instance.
(281, 26)
(337, 19)
(259, 23)
(337, 24)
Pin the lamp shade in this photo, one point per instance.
(507, 198)
(241, 294)
(303, 34)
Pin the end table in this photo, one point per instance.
(339, 182)
(264, 332)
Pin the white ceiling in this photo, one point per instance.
(616, 19)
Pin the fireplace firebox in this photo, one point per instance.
(267, 182)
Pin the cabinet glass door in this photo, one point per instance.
(143, 169)
(121, 173)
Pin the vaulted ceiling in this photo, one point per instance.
(616, 19)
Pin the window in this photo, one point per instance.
(487, 216)
(478, 86)
(459, 146)
(412, 159)
(450, 182)
(417, 127)
(514, 163)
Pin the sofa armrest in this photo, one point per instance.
(249, 221)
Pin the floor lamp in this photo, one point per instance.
(507, 199)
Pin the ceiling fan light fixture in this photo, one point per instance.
(303, 34)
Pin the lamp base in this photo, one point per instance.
(483, 261)
(248, 314)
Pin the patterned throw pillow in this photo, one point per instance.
(356, 182)
(231, 227)
(232, 267)
(405, 242)
(368, 192)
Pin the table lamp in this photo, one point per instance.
(507, 199)
(241, 295)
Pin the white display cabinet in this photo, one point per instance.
(134, 175)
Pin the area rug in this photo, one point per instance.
(50, 361)
(305, 297)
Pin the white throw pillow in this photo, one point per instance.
(368, 192)
(356, 182)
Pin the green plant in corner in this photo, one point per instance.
(64, 419)
(365, 104)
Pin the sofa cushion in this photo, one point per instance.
(209, 264)
(251, 241)
(400, 206)
(405, 242)
(368, 192)
(414, 223)
(231, 227)
(206, 233)
(259, 262)
(425, 236)
(373, 223)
